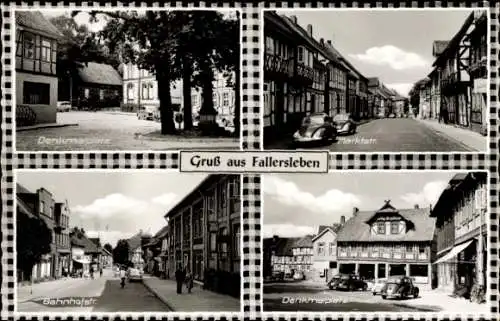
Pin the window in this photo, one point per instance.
(332, 249)
(35, 93)
(130, 91)
(101, 94)
(421, 249)
(333, 265)
(194, 100)
(380, 227)
(213, 241)
(269, 45)
(395, 227)
(215, 97)
(223, 244)
(86, 92)
(29, 46)
(144, 92)
(237, 241)
(234, 195)
(42, 207)
(151, 91)
(409, 248)
(46, 50)
(321, 248)
(225, 99)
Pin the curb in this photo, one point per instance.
(146, 285)
(190, 140)
(35, 127)
(401, 305)
(443, 134)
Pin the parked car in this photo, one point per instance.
(351, 282)
(334, 281)
(63, 106)
(147, 112)
(392, 115)
(134, 274)
(277, 275)
(378, 286)
(345, 124)
(299, 276)
(400, 287)
(317, 127)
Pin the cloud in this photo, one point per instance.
(286, 230)
(429, 194)
(110, 237)
(118, 216)
(331, 202)
(391, 56)
(402, 88)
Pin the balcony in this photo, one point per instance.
(278, 65)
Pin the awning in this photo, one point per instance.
(82, 261)
(454, 252)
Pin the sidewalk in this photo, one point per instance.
(28, 292)
(469, 138)
(42, 126)
(198, 300)
(433, 298)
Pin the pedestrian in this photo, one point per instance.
(123, 275)
(189, 280)
(100, 273)
(179, 278)
(91, 272)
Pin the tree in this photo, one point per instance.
(108, 247)
(77, 47)
(33, 241)
(415, 98)
(121, 252)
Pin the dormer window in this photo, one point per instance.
(381, 228)
(395, 227)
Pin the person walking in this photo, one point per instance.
(100, 272)
(123, 275)
(189, 280)
(180, 275)
(91, 272)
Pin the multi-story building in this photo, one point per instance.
(62, 241)
(85, 254)
(205, 230)
(387, 242)
(288, 72)
(325, 251)
(281, 254)
(478, 70)
(302, 253)
(438, 48)
(461, 230)
(36, 78)
(42, 204)
(424, 89)
(455, 79)
(140, 88)
(335, 96)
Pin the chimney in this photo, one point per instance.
(310, 30)
(342, 220)
(416, 206)
(294, 19)
(355, 211)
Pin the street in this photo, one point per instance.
(389, 135)
(108, 295)
(111, 131)
(308, 297)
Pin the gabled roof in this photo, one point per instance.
(438, 46)
(20, 189)
(36, 21)
(357, 229)
(81, 240)
(135, 242)
(322, 229)
(305, 241)
(282, 246)
(101, 74)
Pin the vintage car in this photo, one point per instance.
(134, 274)
(334, 281)
(315, 128)
(391, 115)
(399, 287)
(63, 106)
(147, 112)
(345, 124)
(349, 282)
(378, 286)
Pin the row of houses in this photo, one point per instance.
(442, 247)
(71, 250)
(303, 75)
(455, 91)
(39, 85)
(202, 235)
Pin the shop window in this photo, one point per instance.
(35, 93)
(419, 270)
(46, 50)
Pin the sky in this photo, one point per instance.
(114, 205)
(296, 204)
(83, 18)
(393, 45)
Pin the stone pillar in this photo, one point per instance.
(356, 269)
(376, 272)
(407, 269)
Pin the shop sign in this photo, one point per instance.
(480, 86)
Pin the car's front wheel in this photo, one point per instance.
(365, 287)
(384, 297)
(415, 294)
